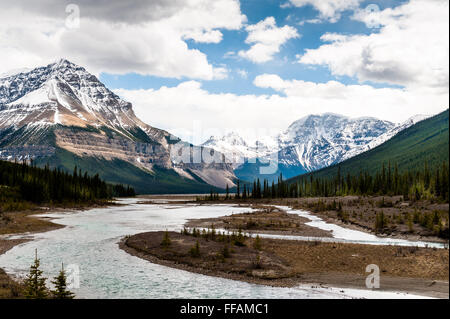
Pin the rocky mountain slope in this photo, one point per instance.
(308, 144)
(61, 106)
(425, 141)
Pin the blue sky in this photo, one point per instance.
(284, 63)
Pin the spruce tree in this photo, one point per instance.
(35, 283)
(60, 282)
(257, 243)
(166, 239)
(195, 250)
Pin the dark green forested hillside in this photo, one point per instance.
(160, 181)
(27, 183)
(424, 142)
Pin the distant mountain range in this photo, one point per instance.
(62, 115)
(308, 144)
(426, 141)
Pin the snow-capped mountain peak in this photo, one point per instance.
(386, 136)
(62, 105)
(322, 140)
(14, 72)
(62, 93)
(314, 141)
(414, 119)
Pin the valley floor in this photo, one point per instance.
(287, 263)
(411, 220)
(281, 262)
(275, 262)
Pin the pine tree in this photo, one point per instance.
(60, 282)
(35, 283)
(257, 243)
(380, 222)
(338, 180)
(274, 191)
(195, 250)
(166, 240)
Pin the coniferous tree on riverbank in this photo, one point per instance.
(413, 185)
(35, 282)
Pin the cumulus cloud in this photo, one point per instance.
(411, 48)
(212, 36)
(117, 11)
(146, 37)
(329, 10)
(180, 109)
(266, 39)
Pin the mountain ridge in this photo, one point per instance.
(63, 106)
(310, 143)
(426, 141)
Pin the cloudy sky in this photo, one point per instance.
(233, 65)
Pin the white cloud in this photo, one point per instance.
(180, 109)
(272, 81)
(220, 73)
(329, 10)
(147, 37)
(267, 39)
(194, 114)
(211, 36)
(411, 49)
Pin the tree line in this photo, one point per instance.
(423, 183)
(41, 185)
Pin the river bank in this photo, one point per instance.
(285, 263)
(9, 288)
(27, 222)
(291, 262)
(408, 220)
(90, 242)
(263, 220)
(17, 223)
